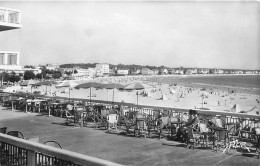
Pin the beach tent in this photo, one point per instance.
(205, 94)
(172, 91)
(182, 95)
(164, 97)
(236, 108)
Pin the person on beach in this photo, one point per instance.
(192, 121)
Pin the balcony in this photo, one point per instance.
(9, 19)
(9, 61)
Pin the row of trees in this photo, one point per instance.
(45, 74)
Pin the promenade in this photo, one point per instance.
(121, 149)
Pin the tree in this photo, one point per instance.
(28, 75)
(75, 71)
(14, 78)
(56, 74)
(29, 66)
(68, 72)
(39, 76)
(5, 77)
(211, 71)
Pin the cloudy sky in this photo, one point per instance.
(190, 34)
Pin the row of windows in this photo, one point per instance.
(11, 59)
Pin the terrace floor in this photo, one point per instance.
(117, 148)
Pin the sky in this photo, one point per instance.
(170, 33)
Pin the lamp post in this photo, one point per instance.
(202, 96)
(137, 96)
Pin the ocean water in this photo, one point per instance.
(241, 83)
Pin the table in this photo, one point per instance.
(218, 130)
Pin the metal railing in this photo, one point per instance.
(10, 16)
(231, 117)
(17, 151)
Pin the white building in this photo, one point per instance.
(84, 73)
(146, 71)
(102, 69)
(123, 72)
(180, 72)
(9, 60)
(52, 66)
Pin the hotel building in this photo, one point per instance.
(102, 69)
(9, 60)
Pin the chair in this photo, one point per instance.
(112, 120)
(69, 115)
(219, 122)
(3, 130)
(141, 127)
(192, 136)
(22, 105)
(220, 139)
(16, 134)
(205, 132)
(255, 140)
(164, 126)
(53, 144)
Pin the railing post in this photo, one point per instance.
(31, 156)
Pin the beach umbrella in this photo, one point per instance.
(50, 82)
(137, 86)
(22, 94)
(90, 85)
(134, 86)
(29, 82)
(113, 86)
(47, 83)
(236, 108)
(69, 84)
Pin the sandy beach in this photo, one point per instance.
(174, 96)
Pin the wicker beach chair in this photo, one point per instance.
(141, 126)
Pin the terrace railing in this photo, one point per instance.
(10, 16)
(17, 151)
(231, 117)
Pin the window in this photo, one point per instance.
(2, 59)
(12, 59)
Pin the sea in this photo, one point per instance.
(240, 83)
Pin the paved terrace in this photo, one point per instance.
(117, 148)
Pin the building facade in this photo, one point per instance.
(122, 72)
(102, 69)
(9, 60)
(146, 71)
